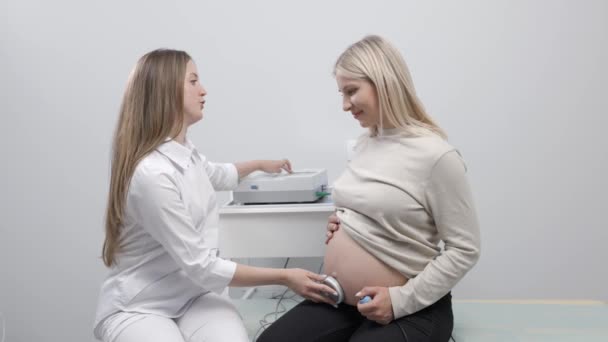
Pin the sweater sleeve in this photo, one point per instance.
(449, 202)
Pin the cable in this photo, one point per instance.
(286, 262)
(452, 337)
(405, 338)
(279, 308)
(3, 326)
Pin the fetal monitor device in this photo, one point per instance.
(333, 283)
(300, 186)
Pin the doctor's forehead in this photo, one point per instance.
(191, 67)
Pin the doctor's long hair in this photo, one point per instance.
(152, 110)
(375, 60)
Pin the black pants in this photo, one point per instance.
(308, 322)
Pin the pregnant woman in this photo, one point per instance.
(403, 193)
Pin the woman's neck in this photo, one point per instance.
(181, 137)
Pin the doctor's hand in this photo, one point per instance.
(333, 224)
(275, 166)
(380, 308)
(308, 285)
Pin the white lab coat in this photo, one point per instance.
(169, 240)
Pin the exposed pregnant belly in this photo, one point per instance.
(355, 268)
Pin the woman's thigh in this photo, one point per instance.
(150, 328)
(310, 321)
(432, 324)
(212, 317)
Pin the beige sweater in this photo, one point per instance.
(401, 195)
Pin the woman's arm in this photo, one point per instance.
(270, 166)
(225, 176)
(450, 202)
(305, 283)
(157, 204)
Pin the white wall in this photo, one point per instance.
(519, 86)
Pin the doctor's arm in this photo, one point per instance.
(158, 206)
(305, 283)
(270, 166)
(226, 176)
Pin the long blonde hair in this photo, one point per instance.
(377, 61)
(152, 110)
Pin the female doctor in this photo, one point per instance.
(167, 282)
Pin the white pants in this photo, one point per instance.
(210, 318)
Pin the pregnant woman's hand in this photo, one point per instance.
(380, 308)
(333, 224)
